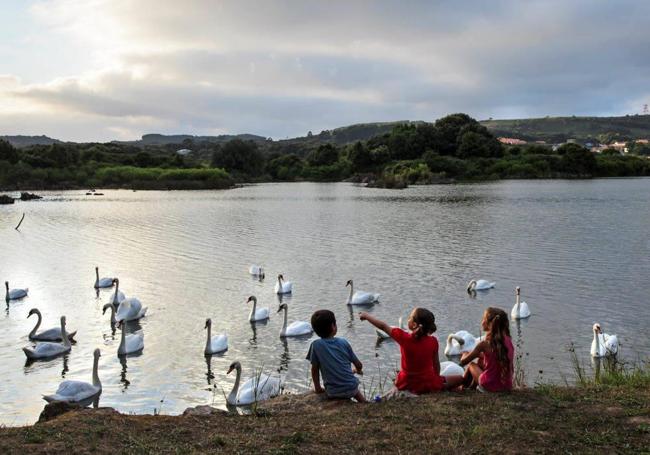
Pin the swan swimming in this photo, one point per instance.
(15, 294)
(130, 309)
(256, 270)
(53, 334)
(520, 310)
(118, 296)
(603, 344)
(79, 392)
(102, 282)
(459, 342)
(215, 344)
(479, 285)
(47, 349)
(448, 368)
(297, 328)
(257, 314)
(131, 343)
(258, 388)
(360, 297)
(109, 306)
(283, 287)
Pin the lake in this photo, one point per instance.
(578, 250)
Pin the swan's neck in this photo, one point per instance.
(64, 335)
(113, 321)
(232, 397)
(460, 340)
(351, 292)
(517, 306)
(38, 324)
(597, 341)
(122, 347)
(96, 381)
(116, 299)
(96, 277)
(284, 323)
(253, 311)
(207, 343)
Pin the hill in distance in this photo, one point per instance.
(26, 141)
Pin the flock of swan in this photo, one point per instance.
(56, 341)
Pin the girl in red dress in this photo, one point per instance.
(420, 371)
(494, 369)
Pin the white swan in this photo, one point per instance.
(79, 392)
(451, 369)
(603, 344)
(217, 343)
(360, 297)
(520, 310)
(383, 335)
(129, 310)
(459, 342)
(48, 349)
(258, 388)
(15, 294)
(53, 334)
(102, 282)
(109, 306)
(479, 285)
(283, 287)
(256, 270)
(118, 296)
(257, 314)
(131, 343)
(297, 328)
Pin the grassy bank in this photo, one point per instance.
(547, 419)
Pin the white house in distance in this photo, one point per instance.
(511, 141)
(183, 152)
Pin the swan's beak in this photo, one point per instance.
(30, 313)
(229, 370)
(279, 309)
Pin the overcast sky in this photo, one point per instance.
(97, 70)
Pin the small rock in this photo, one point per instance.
(203, 410)
(4, 199)
(24, 196)
(52, 410)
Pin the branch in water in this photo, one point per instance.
(21, 221)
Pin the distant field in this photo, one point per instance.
(560, 129)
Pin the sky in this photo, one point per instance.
(101, 70)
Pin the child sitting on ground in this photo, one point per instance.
(331, 357)
(493, 372)
(420, 371)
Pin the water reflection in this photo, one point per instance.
(123, 379)
(285, 356)
(209, 375)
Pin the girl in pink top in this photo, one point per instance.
(493, 371)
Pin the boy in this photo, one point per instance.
(331, 357)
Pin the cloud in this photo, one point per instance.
(282, 68)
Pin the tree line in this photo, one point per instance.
(454, 148)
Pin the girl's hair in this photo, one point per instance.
(499, 328)
(425, 320)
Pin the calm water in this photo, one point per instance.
(578, 249)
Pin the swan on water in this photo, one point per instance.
(15, 294)
(296, 328)
(109, 306)
(131, 343)
(118, 296)
(79, 392)
(459, 342)
(448, 368)
(520, 310)
(258, 388)
(217, 343)
(383, 335)
(283, 287)
(360, 297)
(102, 282)
(603, 344)
(130, 309)
(479, 285)
(257, 314)
(53, 334)
(48, 349)
(256, 270)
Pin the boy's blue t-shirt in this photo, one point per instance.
(333, 357)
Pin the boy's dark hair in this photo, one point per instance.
(321, 322)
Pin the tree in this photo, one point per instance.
(577, 160)
(324, 155)
(239, 156)
(8, 152)
(448, 129)
(143, 159)
(359, 156)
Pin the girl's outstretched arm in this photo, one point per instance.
(381, 325)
